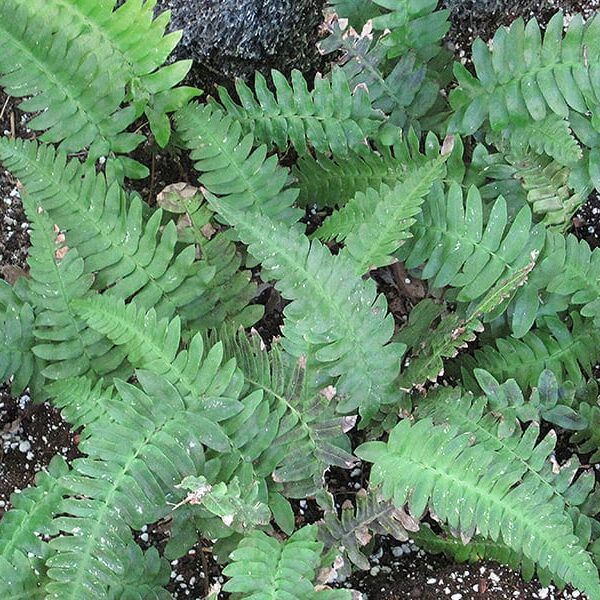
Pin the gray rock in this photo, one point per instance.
(233, 38)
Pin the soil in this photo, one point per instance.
(33, 433)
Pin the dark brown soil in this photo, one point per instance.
(32, 434)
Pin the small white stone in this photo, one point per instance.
(456, 597)
(397, 551)
(24, 446)
(144, 537)
(543, 593)
(431, 581)
(494, 577)
(374, 571)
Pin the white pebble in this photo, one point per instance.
(24, 446)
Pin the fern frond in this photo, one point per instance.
(22, 550)
(340, 315)
(358, 12)
(413, 25)
(471, 486)
(228, 166)
(588, 439)
(134, 55)
(307, 437)
(334, 117)
(524, 77)
(262, 568)
(458, 251)
(568, 350)
(58, 278)
(352, 530)
(153, 344)
(148, 442)
(375, 224)
(125, 252)
(80, 101)
(403, 93)
(16, 339)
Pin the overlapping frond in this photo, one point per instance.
(263, 567)
(228, 166)
(469, 485)
(58, 278)
(334, 116)
(306, 434)
(16, 339)
(127, 254)
(22, 550)
(148, 441)
(457, 250)
(341, 315)
(569, 350)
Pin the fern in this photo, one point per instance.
(456, 248)
(387, 212)
(341, 316)
(568, 350)
(462, 484)
(147, 442)
(107, 228)
(228, 166)
(353, 529)
(16, 325)
(264, 568)
(333, 117)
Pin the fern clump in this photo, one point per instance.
(135, 320)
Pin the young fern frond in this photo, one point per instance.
(263, 567)
(58, 278)
(79, 100)
(375, 224)
(352, 530)
(16, 339)
(334, 117)
(126, 253)
(341, 315)
(228, 166)
(148, 441)
(469, 486)
(450, 239)
(570, 351)
(22, 550)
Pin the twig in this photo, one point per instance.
(4, 107)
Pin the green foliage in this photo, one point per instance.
(334, 117)
(470, 486)
(130, 319)
(264, 568)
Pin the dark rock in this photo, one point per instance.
(234, 38)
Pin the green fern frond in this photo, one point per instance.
(351, 531)
(58, 278)
(588, 439)
(147, 443)
(262, 568)
(413, 25)
(228, 166)
(471, 486)
(458, 251)
(568, 350)
(152, 344)
(307, 437)
(334, 117)
(375, 224)
(16, 339)
(358, 12)
(341, 315)
(125, 252)
(22, 550)
(134, 55)
(524, 77)
(80, 101)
